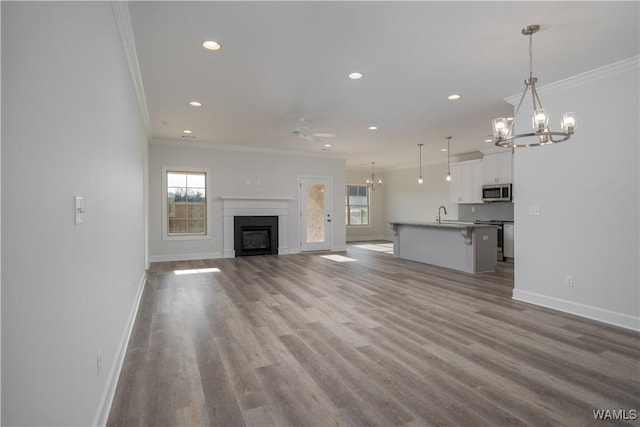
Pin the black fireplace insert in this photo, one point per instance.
(255, 235)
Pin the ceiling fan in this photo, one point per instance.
(302, 131)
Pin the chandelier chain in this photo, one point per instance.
(531, 56)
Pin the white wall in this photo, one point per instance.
(588, 192)
(71, 126)
(406, 200)
(277, 172)
(377, 226)
(0, 240)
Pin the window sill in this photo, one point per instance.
(194, 237)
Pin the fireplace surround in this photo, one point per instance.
(233, 206)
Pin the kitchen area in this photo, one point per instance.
(481, 190)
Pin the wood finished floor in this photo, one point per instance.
(301, 340)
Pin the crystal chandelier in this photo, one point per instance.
(371, 182)
(541, 135)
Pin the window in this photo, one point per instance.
(186, 195)
(357, 205)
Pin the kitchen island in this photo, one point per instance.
(461, 246)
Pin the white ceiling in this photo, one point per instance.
(284, 60)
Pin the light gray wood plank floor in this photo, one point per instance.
(300, 340)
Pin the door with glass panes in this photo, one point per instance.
(315, 214)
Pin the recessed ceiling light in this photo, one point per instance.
(211, 45)
(373, 128)
(443, 149)
(488, 140)
(355, 76)
(186, 131)
(454, 96)
(327, 145)
(195, 104)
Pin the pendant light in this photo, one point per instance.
(371, 182)
(541, 135)
(448, 158)
(420, 180)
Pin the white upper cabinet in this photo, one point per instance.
(466, 182)
(477, 176)
(455, 186)
(498, 167)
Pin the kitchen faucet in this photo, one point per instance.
(445, 212)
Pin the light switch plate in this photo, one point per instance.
(79, 210)
(534, 210)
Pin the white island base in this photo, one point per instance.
(461, 246)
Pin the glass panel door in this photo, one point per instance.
(314, 194)
(315, 214)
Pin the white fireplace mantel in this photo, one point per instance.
(233, 206)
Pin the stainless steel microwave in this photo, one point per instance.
(496, 193)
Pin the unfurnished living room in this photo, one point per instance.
(315, 213)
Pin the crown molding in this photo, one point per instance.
(455, 158)
(587, 77)
(125, 30)
(402, 166)
(241, 148)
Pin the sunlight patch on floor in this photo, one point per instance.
(387, 248)
(338, 258)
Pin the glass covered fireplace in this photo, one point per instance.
(255, 235)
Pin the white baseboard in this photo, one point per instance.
(185, 257)
(364, 238)
(341, 248)
(288, 251)
(590, 312)
(104, 407)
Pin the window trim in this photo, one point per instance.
(165, 213)
(369, 201)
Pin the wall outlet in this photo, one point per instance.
(568, 281)
(534, 210)
(99, 362)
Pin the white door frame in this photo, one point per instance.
(328, 210)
